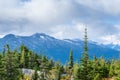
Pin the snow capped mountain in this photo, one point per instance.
(113, 46)
(57, 49)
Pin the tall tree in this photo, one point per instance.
(22, 56)
(1, 68)
(11, 70)
(83, 72)
(58, 71)
(71, 62)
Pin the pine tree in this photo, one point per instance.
(85, 59)
(44, 68)
(83, 73)
(71, 62)
(16, 56)
(37, 62)
(58, 71)
(50, 64)
(26, 50)
(112, 69)
(1, 68)
(30, 60)
(22, 57)
(75, 69)
(11, 70)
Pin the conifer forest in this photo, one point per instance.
(24, 64)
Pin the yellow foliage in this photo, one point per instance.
(107, 79)
(27, 77)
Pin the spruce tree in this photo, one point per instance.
(71, 63)
(1, 68)
(11, 70)
(58, 71)
(22, 57)
(30, 60)
(26, 50)
(112, 69)
(16, 56)
(85, 59)
(83, 72)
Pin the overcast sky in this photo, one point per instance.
(62, 18)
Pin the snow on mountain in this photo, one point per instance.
(113, 46)
(57, 49)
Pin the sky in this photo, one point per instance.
(62, 19)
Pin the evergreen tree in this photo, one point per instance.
(58, 71)
(44, 68)
(1, 68)
(11, 70)
(84, 70)
(71, 62)
(31, 60)
(37, 62)
(50, 64)
(35, 75)
(112, 69)
(16, 56)
(26, 63)
(85, 59)
(97, 77)
(22, 57)
(75, 69)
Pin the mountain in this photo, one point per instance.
(57, 49)
(113, 46)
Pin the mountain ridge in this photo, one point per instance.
(57, 49)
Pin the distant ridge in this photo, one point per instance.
(57, 49)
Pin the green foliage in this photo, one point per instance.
(10, 66)
(85, 67)
(58, 71)
(35, 75)
(97, 77)
(12, 63)
(71, 59)
(22, 57)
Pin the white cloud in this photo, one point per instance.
(42, 11)
(106, 6)
(61, 18)
(75, 30)
(111, 39)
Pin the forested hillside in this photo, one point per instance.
(14, 63)
(57, 49)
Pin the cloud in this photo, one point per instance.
(106, 6)
(61, 18)
(42, 11)
(111, 39)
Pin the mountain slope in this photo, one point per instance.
(55, 48)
